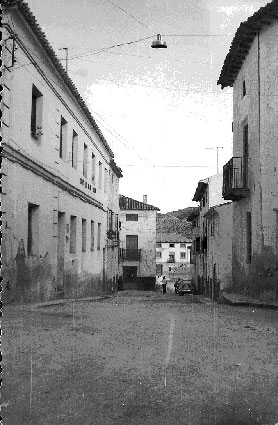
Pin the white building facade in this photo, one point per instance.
(137, 244)
(212, 249)
(60, 181)
(250, 178)
(173, 255)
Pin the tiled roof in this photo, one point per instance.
(202, 185)
(131, 204)
(172, 238)
(32, 22)
(243, 40)
(212, 211)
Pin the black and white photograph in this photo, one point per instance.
(139, 209)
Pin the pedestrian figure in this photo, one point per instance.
(164, 283)
(176, 285)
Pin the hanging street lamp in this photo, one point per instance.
(159, 44)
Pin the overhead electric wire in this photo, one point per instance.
(128, 13)
(92, 52)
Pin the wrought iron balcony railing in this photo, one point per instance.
(130, 254)
(235, 179)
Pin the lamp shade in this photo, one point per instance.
(158, 43)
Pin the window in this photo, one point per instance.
(158, 255)
(98, 235)
(100, 175)
(131, 217)
(245, 155)
(110, 219)
(93, 168)
(204, 201)
(74, 149)
(63, 139)
(158, 245)
(36, 113)
(183, 255)
(248, 237)
(171, 258)
(131, 241)
(183, 245)
(85, 160)
(172, 245)
(84, 234)
(33, 229)
(212, 228)
(92, 235)
(105, 180)
(243, 88)
(72, 234)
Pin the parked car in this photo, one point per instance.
(184, 288)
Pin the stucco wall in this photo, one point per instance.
(260, 109)
(176, 251)
(33, 172)
(145, 228)
(219, 256)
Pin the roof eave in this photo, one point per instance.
(32, 23)
(200, 191)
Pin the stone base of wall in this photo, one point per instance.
(146, 283)
(260, 279)
(32, 281)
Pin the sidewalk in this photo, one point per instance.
(61, 302)
(242, 300)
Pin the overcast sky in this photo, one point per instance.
(159, 109)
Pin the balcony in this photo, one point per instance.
(171, 260)
(235, 179)
(130, 254)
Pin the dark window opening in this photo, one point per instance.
(243, 88)
(33, 229)
(72, 234)
(36, 113)
(248, 237)
(63, 138)
(74, 149)
(84, 234)
(131, 217)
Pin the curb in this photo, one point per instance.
(61, 302)
(205, 300)
(248, 303)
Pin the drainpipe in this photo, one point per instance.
(259, 139)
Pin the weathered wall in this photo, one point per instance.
(176, 251)
(259, 108)
(35, 173)
(145, 228)
(36, 275)
(219, 256)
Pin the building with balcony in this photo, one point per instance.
(250, 178)
(211, 250)
(173, 255)
(137, 243)
(60, 181)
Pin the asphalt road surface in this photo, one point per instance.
(140, 358)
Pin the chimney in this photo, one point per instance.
(144, 199)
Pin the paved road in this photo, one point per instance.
(140, 358)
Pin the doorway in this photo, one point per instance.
(130, 277)
(60, 253)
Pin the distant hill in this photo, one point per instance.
(175, 222)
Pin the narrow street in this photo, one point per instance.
(140, 358)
